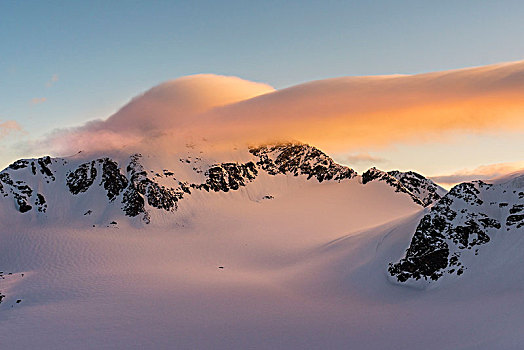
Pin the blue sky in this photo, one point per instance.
(102, 53)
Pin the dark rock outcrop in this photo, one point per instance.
(113, 180)
(136, 191)
(81, 179)
(40, 203)
(229, 176)
(300, 159)
(44, 164)
(142, 189)
(422, 190)
(458, 224)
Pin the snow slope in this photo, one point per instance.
(475, 223)
(280, 260)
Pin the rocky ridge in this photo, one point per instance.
(423, 191)
(137, 190)
(471, 215)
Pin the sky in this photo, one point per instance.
(64, 63)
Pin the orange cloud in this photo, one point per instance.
(484, 172)
(171, 108)
(8, 127)
(175, 104)
(334, 114)
(38, 100)
(351, 112)
(52, 81)
(361, 158)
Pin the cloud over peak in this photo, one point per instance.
(377, 111)
(173, 104)
(336, 114)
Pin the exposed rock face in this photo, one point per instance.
(516, 217)
(19, 190)
(24, 197)
(44, 163)
(157, 196)
(469, 216)
(137, 191)
(81, 178)
(228, 176)
(142, 189)
(134, 204)
(300, 159)
(423, 191)
(40, 203)
(138, 188)
(19, 164)
(219, 177)
(113, 180)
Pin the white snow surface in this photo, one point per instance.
(306, 269)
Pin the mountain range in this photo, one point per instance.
(268, 246)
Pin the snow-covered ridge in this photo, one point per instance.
(422, 190)
(451, 235)
(19, 190)
(129, 187)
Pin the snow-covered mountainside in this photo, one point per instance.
(271, 247)
(461, 227)
(100, 188)
(423, 191)
(176, 250)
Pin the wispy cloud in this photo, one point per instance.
(38, 100)
(484, 172)
(52, 81)
(361, 158)
(8, 127)
(171, 108)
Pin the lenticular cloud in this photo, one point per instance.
(340, 113)
(174, 104)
